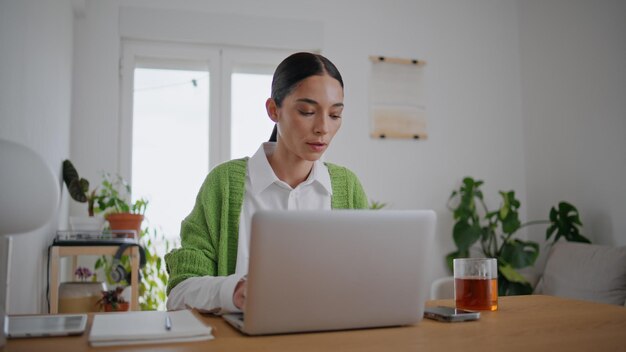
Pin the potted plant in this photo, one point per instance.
(495, 231)
(152, 288)
(154, 276)
(80, 296)
(120, 213)
(78, 189)
(113, 301)
(375, 205)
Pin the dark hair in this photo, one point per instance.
(296, 68)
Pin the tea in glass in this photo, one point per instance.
(476, 283)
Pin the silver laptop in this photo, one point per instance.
(335, 270)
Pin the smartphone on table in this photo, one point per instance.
(450, 314)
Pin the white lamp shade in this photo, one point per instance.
(29, 190)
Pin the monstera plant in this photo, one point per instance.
(494, 231)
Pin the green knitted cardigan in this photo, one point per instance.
(209, 234)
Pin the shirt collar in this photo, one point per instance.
(262, 175)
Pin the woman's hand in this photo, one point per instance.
(239, 296)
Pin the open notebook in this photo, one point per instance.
(131, 328)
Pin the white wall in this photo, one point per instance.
(36, 40)
(472, 87)
(573, 56)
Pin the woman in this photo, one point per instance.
(208, 272)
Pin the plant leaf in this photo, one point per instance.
(553, 214)
(551, 229)
(508, 213)
(506, 206)
(84, 185)
(519, 254)
(579, 238)
(69, 172)
(76, 191)
(566, 222)
(510, 273)
(465, 235)
(508, 288)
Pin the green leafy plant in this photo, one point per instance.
(113, 197)
(374, 205)
(494, 231)
(152, 287)
(79, 187)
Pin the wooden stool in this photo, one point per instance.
(58, 251)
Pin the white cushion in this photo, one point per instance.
(585, 271)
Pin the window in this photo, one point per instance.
(186, 109)
(170, 134)
(246, 85)
(250, 125)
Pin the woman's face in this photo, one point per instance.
(309, 116)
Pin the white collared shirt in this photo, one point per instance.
(263, 191)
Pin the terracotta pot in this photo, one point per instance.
(125, 221)
(121, 307)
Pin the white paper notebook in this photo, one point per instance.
(149, 327)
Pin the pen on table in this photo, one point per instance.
(168, 322)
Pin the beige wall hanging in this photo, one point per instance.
(397, 108)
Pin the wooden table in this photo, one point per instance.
(522, 323)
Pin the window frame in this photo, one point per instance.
(221, 61)
(167, 55)
(237, 60)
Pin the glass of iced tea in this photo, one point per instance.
(476, 283)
